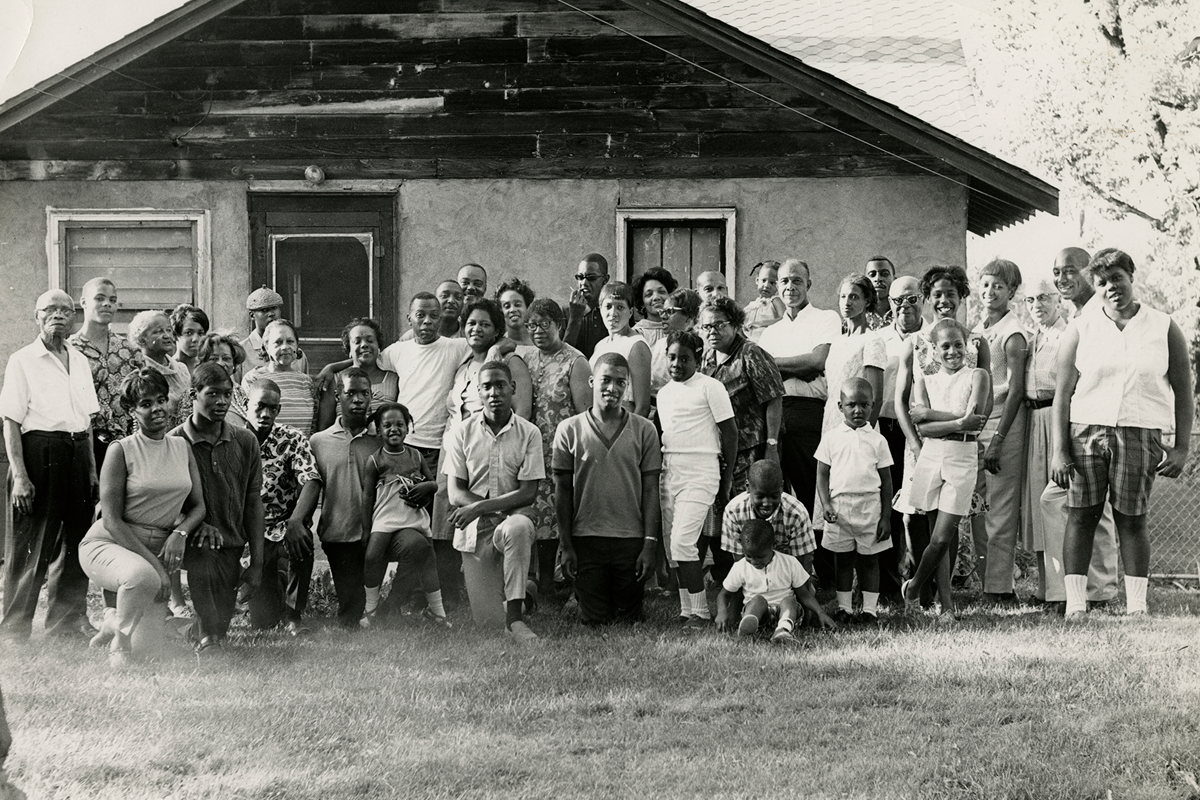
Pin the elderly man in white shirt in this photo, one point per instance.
(799, 343)
(47, 403)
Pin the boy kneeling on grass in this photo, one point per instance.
(854, 482)
(773, 584)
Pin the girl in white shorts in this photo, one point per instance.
(945, 409)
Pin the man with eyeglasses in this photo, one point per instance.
(905, 312)
(1045, 532)
(585, 326)
(47, 402)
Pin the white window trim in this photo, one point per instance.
(727, 214)
(201, 221)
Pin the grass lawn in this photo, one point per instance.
(1012, 704)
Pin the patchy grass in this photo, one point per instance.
(1013, 704)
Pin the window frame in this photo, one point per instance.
(725, 214)
(58, 220)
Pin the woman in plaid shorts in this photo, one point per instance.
(1123, 381)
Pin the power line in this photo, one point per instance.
(783, 105)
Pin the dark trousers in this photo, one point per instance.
(346, 568)
(100, 442)
(606, 583)
(798, 442)
(213, 574)
(43, 545)
(283, 594)
(890, 560)
(416, 569)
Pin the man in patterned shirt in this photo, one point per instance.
(289, 494)
(111, 357)
(766, 500)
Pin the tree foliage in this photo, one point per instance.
(1104, 97)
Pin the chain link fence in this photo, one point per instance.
(1174, 521)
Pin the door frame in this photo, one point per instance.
(726, 214)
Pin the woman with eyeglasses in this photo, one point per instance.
(755, 390)
(560, 376)
(945, 289)
(650, 293)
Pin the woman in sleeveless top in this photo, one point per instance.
(362, 339)
(1124, 381)
(148, 479)
(944, 289)
(650, 293)
(616, 307)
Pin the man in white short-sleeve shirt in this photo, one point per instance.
(47, 402)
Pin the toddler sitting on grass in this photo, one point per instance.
(774, 586)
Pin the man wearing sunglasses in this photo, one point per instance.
(905, 307)
(585, 326)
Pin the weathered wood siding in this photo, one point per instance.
(440, 89)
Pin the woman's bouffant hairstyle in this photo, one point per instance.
(1110, 258)
(184, 312)
(144, 382)
(366, 322)
(210, 343)
(618, 290)
(687, 301)
(520, 287)
(734, 314)
(492, 309)
(659, 274)
(545, 307)
(870, 296)
(956, 276)
(687, 339)
(141, 323)
(1005, 270)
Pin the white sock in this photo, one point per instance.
(434, 601)
(785, 624)
(1135, 594)
(1076, 592)
(845, 601)
(871, 603)
(699, 605)
(372, 599)
(685, 603)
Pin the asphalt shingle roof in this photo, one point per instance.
(908, 53)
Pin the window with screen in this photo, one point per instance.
(156, 260)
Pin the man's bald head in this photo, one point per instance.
(766, 476)
(54, 297)
(905, 284)
(1074, 256)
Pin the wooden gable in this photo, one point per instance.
(444, 89)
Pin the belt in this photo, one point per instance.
(1036, 404)
(60, 435)
(961, 437)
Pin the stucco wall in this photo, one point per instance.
(535, 229)
(23, 261)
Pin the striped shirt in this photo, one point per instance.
(297, 396)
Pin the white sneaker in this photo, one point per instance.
(521, 633)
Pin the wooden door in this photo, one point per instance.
(331, 258)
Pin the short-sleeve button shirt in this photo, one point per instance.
(752, 380)
(811, 328)
(340, 474)
(40, 394)
(288, 464)
(108, 371)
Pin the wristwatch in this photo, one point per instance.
(772, 442)
(181, 532)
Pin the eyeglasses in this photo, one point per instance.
(1041, 298)
(62, 311)
(534, 327)
(906, 300)
(713, 327)
(589, 278)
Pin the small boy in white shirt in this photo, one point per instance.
(774, 585)
(854, 482)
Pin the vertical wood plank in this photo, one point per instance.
(677, 253)
(645, 245)
(707, 253)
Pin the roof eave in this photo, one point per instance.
(982, 166)
(117, 55)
